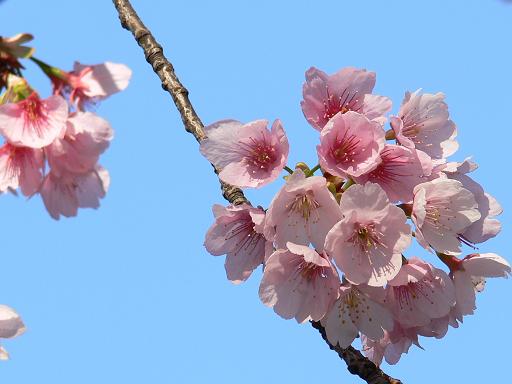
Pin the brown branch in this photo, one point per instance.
(357, 364)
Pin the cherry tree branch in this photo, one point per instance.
(357, 364)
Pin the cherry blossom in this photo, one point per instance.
(87, 136)
(356, 311)
(423, 123)
(11, 326)
(350, 145)
(248, 155)
(487, 226)
(20, 167)
(33, 122)
(64, 192)
(469, 277)
(419, 293)
(299, 283)
(302, 212)
(399, 171)
(347, 90)
(238, 233)
(367, 244)
(442, 211)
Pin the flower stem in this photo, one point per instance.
(314, 169)
(288, 169)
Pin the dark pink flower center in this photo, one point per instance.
(311, 271)
(390, 170)
(346, 148)
(247, 238)
(347, 101)
(406, 294)
(259, 153)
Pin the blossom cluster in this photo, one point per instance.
(52, 145)
(333, 246)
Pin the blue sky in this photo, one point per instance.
(127, 294)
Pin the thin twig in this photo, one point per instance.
(357, 364)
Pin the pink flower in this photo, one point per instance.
(20, 167)
(367, 244)
(87, 136)
(303, 211)
(238, 233)
(347, 90)
(487, 226)
(350, 145)
(89, 83)
(65, 192)
(423, 123)
(11, 326)
(419, 293)
(399, 171)
(391, 346)
(33, 122)
(298, 282)
(249, 155)
(442, 211)
(356, 311)
(469, 277)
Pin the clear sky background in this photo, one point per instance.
(127, 294)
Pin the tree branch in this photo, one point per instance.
(357, 364)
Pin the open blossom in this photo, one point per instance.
(442, 211)
(33, 122)
(350, 145)
(238, 233)
(356, 311)
(469, 277)
(302, 212)
(487, 226)
(347, 90)
(419, 293)
(299, 283)
(87, 136)
(20, 167)
(423, 123)
(249, 155)
(367, 244)
(65, 192)
(11, 326)
(90, 83)
(399, 171)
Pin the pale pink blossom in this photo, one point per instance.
(442, 211)
(399, 171)
(367, 244)
(90, 83)
(87, 136)
(469, 277)
(420, 293)
(487, 226)
(64, 192)
(238, 233)
(248, 155)
(423, 123)
(347, 90)
(356, 311)
(350, 145)
(11, 326)
(299, 283)
(20, 167)
(33, 122)
(391, 346)
(302, 212)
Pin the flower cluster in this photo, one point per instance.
(333, 247)
(52, 145)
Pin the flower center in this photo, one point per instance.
(366, 237)
(345, 148)
(333, 104)
(304, 205)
